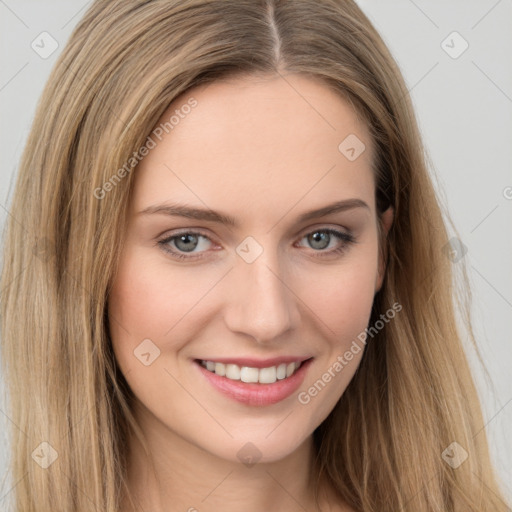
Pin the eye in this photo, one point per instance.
(186, 241)
(183, 245)
(320, 239)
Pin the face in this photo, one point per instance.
(274, 297)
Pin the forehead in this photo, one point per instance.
(257, 141)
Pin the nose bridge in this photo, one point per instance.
(261, 303)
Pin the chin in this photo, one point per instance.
(261, 448)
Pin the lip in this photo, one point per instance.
(252, 393)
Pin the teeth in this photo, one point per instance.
(246, 374)
(220, 369)
(281, 371)
(268, 375)
(249, 374)
(233, 371)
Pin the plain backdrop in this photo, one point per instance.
(456, 59)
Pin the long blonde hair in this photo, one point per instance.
(413, 394)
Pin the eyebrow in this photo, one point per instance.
(181, 210)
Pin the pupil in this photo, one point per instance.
(187, 240)
(317, 237)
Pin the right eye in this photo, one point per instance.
(178, 245)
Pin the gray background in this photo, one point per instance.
(464, 108)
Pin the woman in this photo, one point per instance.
(234, 289)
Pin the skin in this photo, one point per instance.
(263, 150)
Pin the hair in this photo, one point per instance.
(125, 62)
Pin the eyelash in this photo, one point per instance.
(346, 238)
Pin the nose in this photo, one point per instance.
(260, 302)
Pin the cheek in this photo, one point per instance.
(342, 295)
(147, 303)
(342, 299)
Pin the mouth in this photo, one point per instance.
(252, 374)
(253, 382)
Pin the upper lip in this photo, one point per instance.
(257, 363)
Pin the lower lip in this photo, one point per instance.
(253, 393)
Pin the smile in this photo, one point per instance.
(267, 375)
(255, 382)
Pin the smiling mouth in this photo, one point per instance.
(249, 374)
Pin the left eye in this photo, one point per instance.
(188, 241)
(319, 237)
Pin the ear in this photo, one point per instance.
(386, 222)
